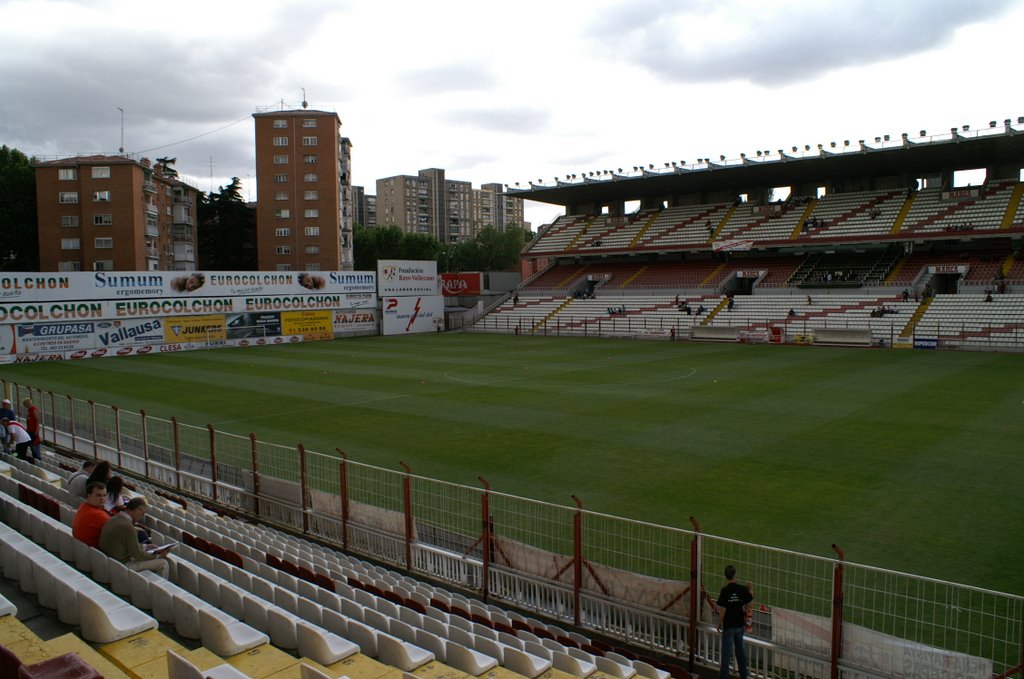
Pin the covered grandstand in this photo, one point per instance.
(879, 238)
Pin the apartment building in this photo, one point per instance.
(114, 213)
(304, 214)
(449, 210)
(365, 207)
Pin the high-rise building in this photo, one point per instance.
(449, 210)
(304, 182)
(365, 207)
(114, 213)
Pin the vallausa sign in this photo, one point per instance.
(461, 284)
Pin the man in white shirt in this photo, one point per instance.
(18, 435)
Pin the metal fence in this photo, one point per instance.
(647, 585)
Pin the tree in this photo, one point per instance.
(19, 247)
(226, 233)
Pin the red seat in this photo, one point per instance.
(273, 561)
(415, 605)
(440, 605)
(567, 641)
(321, 580)
(306, 574)
(67, 666)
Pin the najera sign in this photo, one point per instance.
(461, 284)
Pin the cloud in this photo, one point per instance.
(510, 119)
(776, 43)
(446, 79)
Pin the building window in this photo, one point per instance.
(309, 158)
(280, 179)
(281, 122)
(309, 141)
(282, 232)
(310, 177)
(311, 214)
(280, 141)
(103, 265)
(312, 267)
(281, 160)
(67, 173)
(70, 243)
(312, 231)
(312, 249)
(283, 267)
(283, 250)
(283, 213)
(69, 266)
(309, 122)
(281, 195)
(311, 195)
(101, 172)
(101, 196)
(69, 220)
(68, 196)
(106, 220)
(103, 243)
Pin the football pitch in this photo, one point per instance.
(908, 460)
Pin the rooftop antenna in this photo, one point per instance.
(305, 104)
(121, 150)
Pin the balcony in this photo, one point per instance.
(182, 232)
(152, 231)
(148, 186)
(152, 252)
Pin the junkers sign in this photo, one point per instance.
(461, 284)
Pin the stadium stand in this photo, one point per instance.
(235, 586)
(968, 321)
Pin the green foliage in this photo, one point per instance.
(19, 247)
(489, 251)
(226, 231)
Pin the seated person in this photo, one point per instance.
(77, 481)
(119, 540)
(115, 495)
(91, 517)
(6, 412)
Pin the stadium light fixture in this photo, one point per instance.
(966, 128)
(923, 133)
(651, 166)
(794, 149)
(1020, 120)
(846, 142)
(992, 123)
(833, 144)
(620, 170)
(886, 137)
(904, 136)
(722, 158)
(781, 151)
(758, 154)
(878, 140)
(1007, 122)
(952, 131)
(807, 147)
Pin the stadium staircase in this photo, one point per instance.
(633, 277)
(722, 224)
(1012, 207)
(643, 230)
(714, 312)
(666, 234)
(798, 229)
(857, 211)
(908, 329)
(901, 217)
(573, 244)
(554, 312)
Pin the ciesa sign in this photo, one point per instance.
(461, 284)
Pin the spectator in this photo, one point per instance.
(17, 435)
(988, 295)
(115, 496)
(733, 602)
(906, 294)
(78, 480)
(91, 517)
(100, 473)
(119, 540)
(792, 312)
(6, 412)
(33, 424)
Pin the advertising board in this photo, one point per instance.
(461, 284)
(407, 315)
(404, 278)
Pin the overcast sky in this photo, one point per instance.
(500, 92)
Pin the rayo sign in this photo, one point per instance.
(461, 284)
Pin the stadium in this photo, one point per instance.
(445, 545)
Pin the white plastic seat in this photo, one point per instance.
(106, 618)
(225, 635)
(333, 621)
(525, 663)
(257, 612)
(609, 666)
(364, 636)
(573, 665)
(322, 646)
(179, 667)
(649, 671)
(468, 660)
(186, 613)
(310, 611)
(403, 655)
(403, 631)
(282, 628)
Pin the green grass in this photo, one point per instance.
(906, 459)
